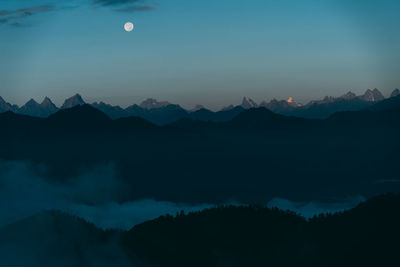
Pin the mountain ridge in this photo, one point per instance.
(88, 118)
(163, 112)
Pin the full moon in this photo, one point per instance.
(128, 26)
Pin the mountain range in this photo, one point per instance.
(95, 117)
(162, 113)
(247, 158)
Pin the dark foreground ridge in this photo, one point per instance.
(367, 235)
(252, 158)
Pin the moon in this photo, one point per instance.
(129, 26)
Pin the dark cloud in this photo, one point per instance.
(126, 5)
(136, 8)
(25, 12)
(117, 2)
(13, 16)
(18, 25)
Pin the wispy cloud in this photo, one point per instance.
(136, 8)
(117, 2)
(23, 12)
(126, 5)
(13, 17)
(93, 195)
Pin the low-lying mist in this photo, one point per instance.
(309, 209)
(94, 196)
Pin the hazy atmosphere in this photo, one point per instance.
(178, 133)
(196, 52)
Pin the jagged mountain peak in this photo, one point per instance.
(31, 102)
(372, 95)
(73, 101)
(5, 106)
(47, 101)
(395, 93)
(290, 100)
(226, 108)
(293, 103)
(198, 107)
(33, 108)
(101, 103)
(348, 95)
(248, 103)
(151, 103)
(280, 105)
(48, 106)
(328, 99)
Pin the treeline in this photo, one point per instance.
(368, 235)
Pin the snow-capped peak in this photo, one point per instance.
(395, 92)
(292, 102)
(152, 103)
(248, 103)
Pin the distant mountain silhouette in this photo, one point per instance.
(48, 105)
(387, 104)
(73, 101)
(263, 118)
(134, 109)
(361, 144)
(248, 103)
(152, 103)
(329, 105)
(197, 108)
(32, 108)
(114, 112)
(5, 106)
(372, 96)
(162, 113)
(282, 106)
(165, 115)
(80, 119)
(202, 114)
(349, 95)
(219, 116)
(395, 92)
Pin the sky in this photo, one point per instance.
(210, 52)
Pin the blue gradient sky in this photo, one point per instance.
(212, 52)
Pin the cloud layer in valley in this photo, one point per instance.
(94, 196)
